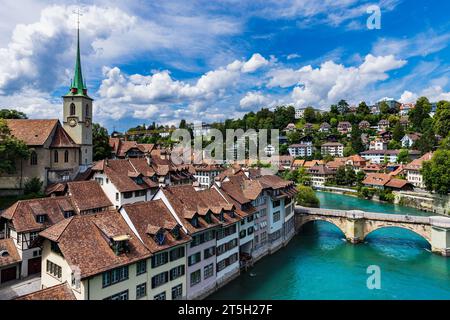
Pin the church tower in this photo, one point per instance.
(78, 113)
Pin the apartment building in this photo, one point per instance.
(108, 262)
(125, 180)
(213, 225)
(242, 192)
(206, 173)
(320, 175)
(413, 171)
(381, 156)
(164, 237)
(334, 149)
(23, 221)
(301, 149)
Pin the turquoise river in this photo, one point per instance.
(319, 264)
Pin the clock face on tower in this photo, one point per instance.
(72, 122)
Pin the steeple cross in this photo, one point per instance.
(79, 14)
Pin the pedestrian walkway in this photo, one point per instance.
(20, 287)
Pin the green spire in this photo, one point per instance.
(78, 86)
(78, 78)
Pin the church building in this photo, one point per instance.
(58, 152)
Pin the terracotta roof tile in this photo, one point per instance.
(88, 195)
(61, 139)
(24, 212)
(58, 292)
(151, 217)
(377, 179)
(8, 253)
(92, 253)
(32, 132)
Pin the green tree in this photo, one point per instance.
(294, 137)
(384, 108)
(340, 176)
(350, 176)
(363, 108)
(100, 141)
(12, 114)
(33, 186)
(348, 151)
(394, 145)
(11, 149)
(307, 197)
(342, 107)
(427, 140)
(442, 119)
(360, 176)
(398, 133)
(356, 141)
(436, 172)
(403, 156)
(419, 114)
(309, 115)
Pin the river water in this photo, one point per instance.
(319, 264)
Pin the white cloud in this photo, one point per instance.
(35, 104)
(253, 100)
(408, 97)
(256, 62)
(37, 53)
(293, 56)
(331, 82)
(434, 93)
(143, 96)
(422, 44)
(40, 55)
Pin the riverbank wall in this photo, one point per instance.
(423, 201)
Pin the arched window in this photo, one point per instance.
(87, 110)
(33, 158)
(72, 109)
(55, 158)
(66, 156)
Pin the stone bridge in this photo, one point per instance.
(356, 225)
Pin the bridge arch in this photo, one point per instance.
(337, 222)
(422, 231)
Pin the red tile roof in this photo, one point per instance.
(92, 252)
(88, 195)
(417, 163)
(61, 139)
(32, 132)
(58, 292)
(150, 217)
(23, 213)
(377, 179)
(8, 252)
(187, 203)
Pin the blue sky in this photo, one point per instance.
(207, 61)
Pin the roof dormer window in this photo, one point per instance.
(160, 237)
(176, 232)
(194, 222)
(120, 244)
(41, 218)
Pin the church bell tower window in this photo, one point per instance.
(72, 109)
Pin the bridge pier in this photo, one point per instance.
(354, 227)
(440, 235)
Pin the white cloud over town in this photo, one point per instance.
(191, 69)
